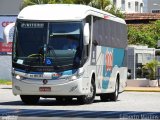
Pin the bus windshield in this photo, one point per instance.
(47, 43)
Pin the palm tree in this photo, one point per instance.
(34, 2)
(113, 10)
(100, 4)
(151, 68)
(84, 2)
(103, 5)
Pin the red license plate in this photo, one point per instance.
(45, 89)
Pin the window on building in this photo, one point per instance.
(129, 5)
(155, 11)
(136, 7)
(141, 60)
(115, 2)
(141, 7)
(123, 4)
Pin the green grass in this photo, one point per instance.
(5, 82)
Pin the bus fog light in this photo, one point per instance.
(18, 88)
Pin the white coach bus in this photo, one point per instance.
(68, 51)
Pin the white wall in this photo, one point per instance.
(150, 5)
(145, 8)
(10, 7)
(5, 67)
(132, 4)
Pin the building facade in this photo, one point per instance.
(138, 56)
(151, 6)
(10, 7)
(129, 6)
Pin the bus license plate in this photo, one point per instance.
(45, 89)
(36, 76)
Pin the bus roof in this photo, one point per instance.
(63, 12)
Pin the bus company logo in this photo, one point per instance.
(32, 25)
(109, 60)
(45, 81)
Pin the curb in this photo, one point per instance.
(142, 89)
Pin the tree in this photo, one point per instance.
(144, 34)
(100, 4)
(107, 6)
(84, 2)
(115, 11)
(151, 68)
(34, 2)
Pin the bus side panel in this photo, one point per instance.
(123, 78)
(110, 55)
(109, 64)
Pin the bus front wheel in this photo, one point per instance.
(30, 99)
(88, 99)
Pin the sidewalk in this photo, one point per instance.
(142, 89)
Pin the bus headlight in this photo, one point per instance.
(73, 77)
(18, 77)
(77, 75)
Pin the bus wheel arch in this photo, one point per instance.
(112, 96)
(116, 90)
(118, 80)
(88, 99)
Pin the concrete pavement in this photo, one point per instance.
(129, 89)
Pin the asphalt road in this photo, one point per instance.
(130, 105)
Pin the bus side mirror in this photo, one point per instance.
(86, 34)
(95, 43)
(8, 33)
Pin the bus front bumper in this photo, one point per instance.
(36, 87)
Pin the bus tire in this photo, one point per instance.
(88, 99)
(30, 99)
(64, 99)
(105, 97)
(111, 96)
(114, 95)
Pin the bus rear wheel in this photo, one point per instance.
(114, 95)
(111, 96)
(88, 99)
(30, 99)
